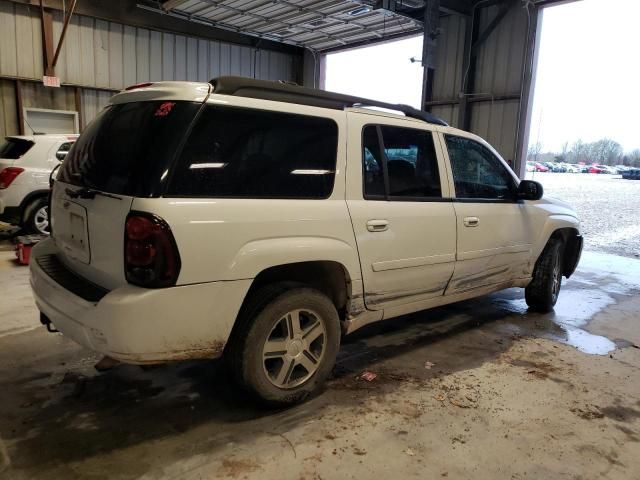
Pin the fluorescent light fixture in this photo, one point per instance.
(196, 166)
(311, 172)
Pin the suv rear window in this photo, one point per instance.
(14, 148)
(128, 148)
(245, 153)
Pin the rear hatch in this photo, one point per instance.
(11, 149)
(126, 152)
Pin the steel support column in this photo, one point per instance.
(429, 45)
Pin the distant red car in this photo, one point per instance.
(540, 168)
(597, 169)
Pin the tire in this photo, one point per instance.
(36, 217)
(542, 293)
(278, 364)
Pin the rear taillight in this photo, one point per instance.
(151, 257)
(8, 175)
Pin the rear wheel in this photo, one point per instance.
(286, 344)
(542, 293)
(36, 217)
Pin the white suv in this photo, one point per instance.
(25, 165)
(260, 221)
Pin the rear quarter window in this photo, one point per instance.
(129, 148)
(14, 148)
(246, 153)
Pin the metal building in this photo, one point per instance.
(478, 56)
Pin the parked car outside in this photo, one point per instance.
(571, 168)
(196, 220)
(598, 169)
(539, 167)
(530, 167)
(25, 165)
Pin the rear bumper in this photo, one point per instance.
(142, 326)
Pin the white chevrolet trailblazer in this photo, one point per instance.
(25, 165)
(261, 221)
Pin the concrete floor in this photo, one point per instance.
(480, 389)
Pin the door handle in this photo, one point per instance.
(471, 221)
(377, 225)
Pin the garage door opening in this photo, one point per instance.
(584, 126)
(387, 72)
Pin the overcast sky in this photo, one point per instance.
(588, 74)
(383, 72)
(588, 83)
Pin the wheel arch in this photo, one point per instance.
(566, 229)
(27, 200)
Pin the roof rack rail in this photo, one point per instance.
(282, 91)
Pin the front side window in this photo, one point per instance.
(407, 165)
(243, 153)
(477, 172)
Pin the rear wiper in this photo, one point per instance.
(88, 193)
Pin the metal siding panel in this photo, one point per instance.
(235, 60)
(155, 55)
(192, 59)
(36, 34)
(246, 61)
(8, 109)
(203, 61)
(93, 101)
(225, 59)
(8, 40)
(214, 59)
(116, 70)
(88, 60)
(129, 56)
(168, 57)
(180, 58)
(101, 53)
(71, 47)
(26, 60)
(143, 55)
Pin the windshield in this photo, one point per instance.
(14, 148)
(128, 148)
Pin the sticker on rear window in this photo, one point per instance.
(164, 109)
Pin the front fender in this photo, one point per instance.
(553, 223)
(258, 255)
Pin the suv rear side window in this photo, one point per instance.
(14, 148)
(478, 173)
(244, 153)
(128, 148)
(409, 164)
(63, 150)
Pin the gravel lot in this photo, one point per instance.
(607, 206)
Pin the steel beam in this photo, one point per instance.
(431, 24)
(169, 5)
(63, 33)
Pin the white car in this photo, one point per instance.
(25, 165)
(262, 221)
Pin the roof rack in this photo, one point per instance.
(281, 91)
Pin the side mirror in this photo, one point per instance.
(530, 190)
(61, 155)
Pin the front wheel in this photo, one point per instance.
(542, 293)
(36, 217)
(286, 344)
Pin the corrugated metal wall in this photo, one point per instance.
(106, 55)
(498, 73)
(8, 112)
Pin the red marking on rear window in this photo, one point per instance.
(164, 109)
